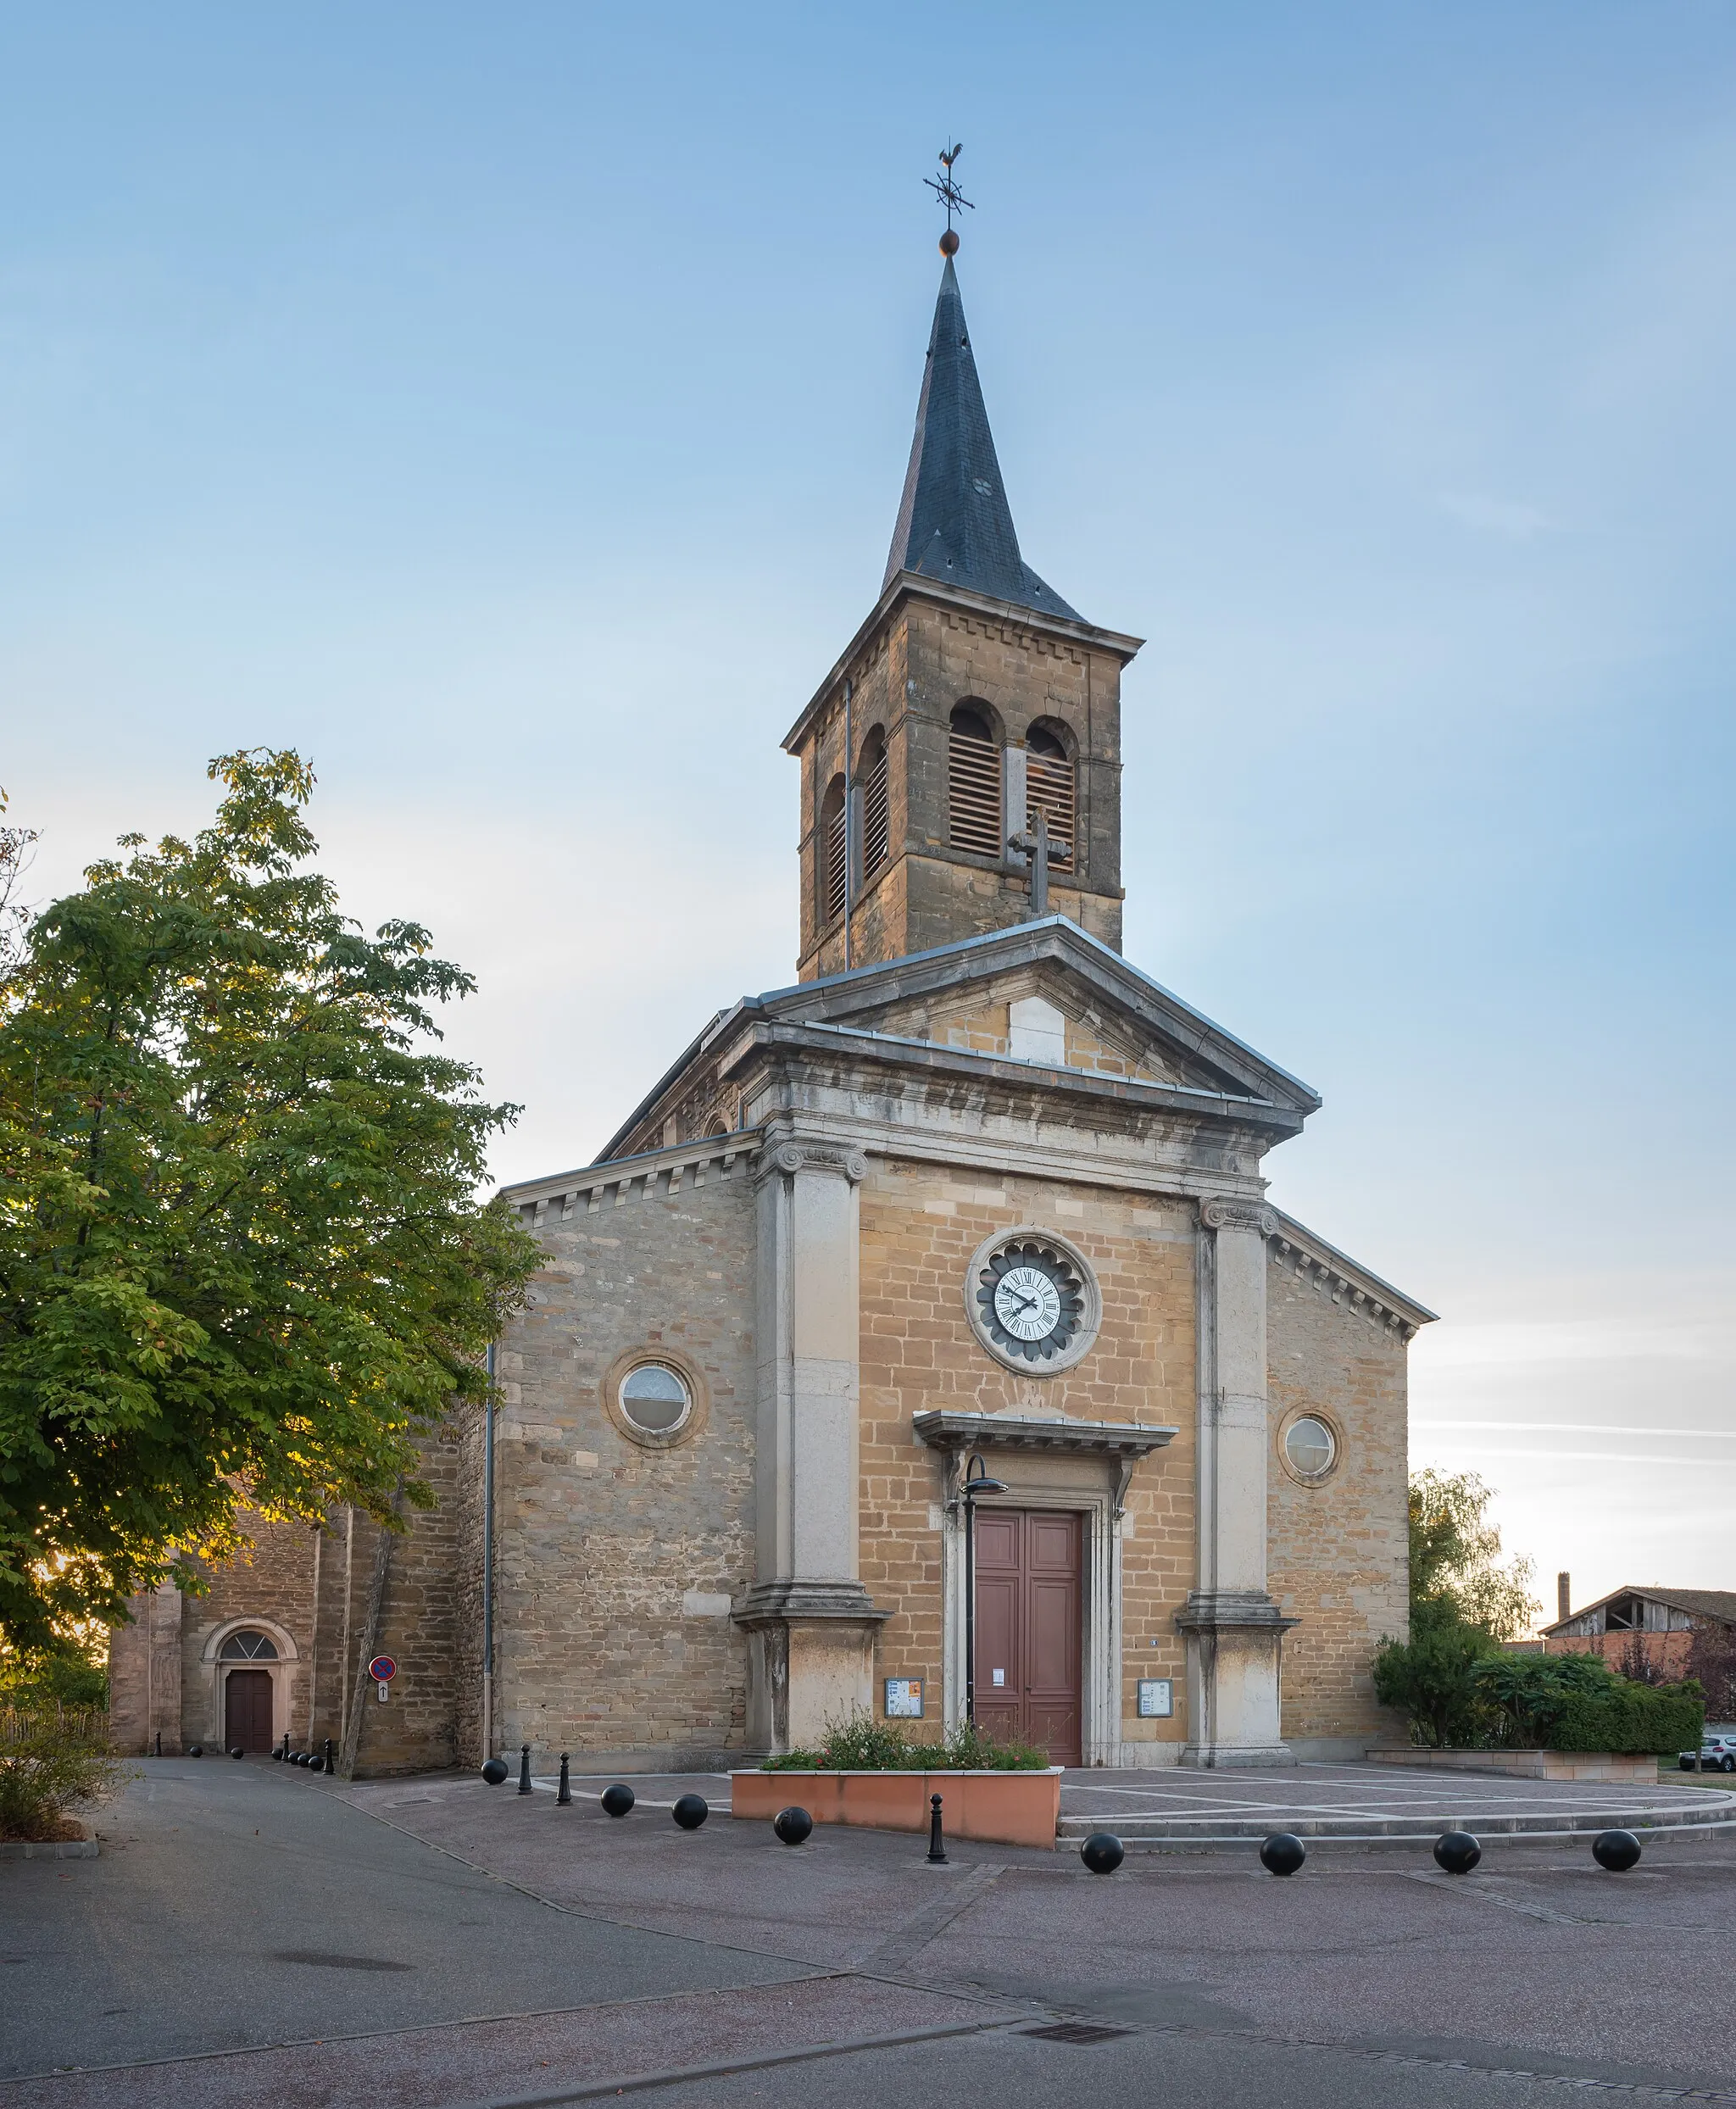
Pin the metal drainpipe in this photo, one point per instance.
(488, 1563)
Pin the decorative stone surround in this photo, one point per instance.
(659, 1174)
(1333, 1277)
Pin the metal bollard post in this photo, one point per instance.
(285, 1746)
(564, 1799)
(159, 1743)
(525, 1769)
(937, 1844)
(329, 1767)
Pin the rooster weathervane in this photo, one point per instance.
(946, 189)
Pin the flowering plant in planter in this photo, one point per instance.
(860, 1744)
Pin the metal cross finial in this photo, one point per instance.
(1040, 846)
(947, 191)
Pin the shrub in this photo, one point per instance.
(1577, 1702)
(861, 1743)
(1432, 1677)
(44, 1773)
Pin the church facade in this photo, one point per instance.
(973, 1200)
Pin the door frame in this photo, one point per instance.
(1034, 1483)
(284, 1672)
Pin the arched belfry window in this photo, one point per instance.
(1050, 789)
(973, 784)
(834, 851)
(877, 810)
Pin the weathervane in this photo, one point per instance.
(947, 191)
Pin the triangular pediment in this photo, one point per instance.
(1050, 994)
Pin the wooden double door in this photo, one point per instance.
(1030, 1628)
(246, 1710)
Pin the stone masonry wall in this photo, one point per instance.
(921, 1224)
(615, 1563)
(1338, 1551)
(927, 660)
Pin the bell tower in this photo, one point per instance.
(962, 762)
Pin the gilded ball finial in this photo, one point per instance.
(949, 243)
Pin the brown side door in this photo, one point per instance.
(246, 1710)
(1030, 1617)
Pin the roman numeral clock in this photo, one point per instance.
(1033, 1301)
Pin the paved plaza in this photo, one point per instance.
(251, 1935)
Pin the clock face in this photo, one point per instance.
(1026, 1303)
(1030, 1301)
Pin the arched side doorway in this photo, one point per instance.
(250, 1664)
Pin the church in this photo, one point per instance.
(923, 1342)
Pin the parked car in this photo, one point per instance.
(1717, 1753)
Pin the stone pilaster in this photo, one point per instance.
(1234, 1628)
(810, 1621)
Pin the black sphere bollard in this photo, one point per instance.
(316, 1763)
(617, 1800)
(1282, 1853)
(330, 1764)
(302, 1758)
(936, 1843)
(1103, 1852)
(1457, 1851)
(277, 1756)
(196, 1750)
(494, 1771)
(563, 1793)
(793, 1826)
(690, 1811)
(1617, 1851)
(525, 1769)
(235, 1750)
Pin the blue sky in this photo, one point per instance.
(508, 408)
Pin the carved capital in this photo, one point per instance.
(1218, 1214)
(788, 1158)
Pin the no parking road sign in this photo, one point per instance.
(382, 1669)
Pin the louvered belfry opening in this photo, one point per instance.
(834, 852)
(877, 807)
(1049, 779)
(973, 785)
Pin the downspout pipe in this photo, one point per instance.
(488, 1563)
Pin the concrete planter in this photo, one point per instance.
(1610, 1766)
(1002, 1808)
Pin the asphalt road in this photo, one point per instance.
(234, 1905)
(276, 1939)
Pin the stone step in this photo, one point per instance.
(1212, 1830)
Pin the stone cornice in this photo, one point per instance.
(1053, 1080)
(912, 586)
(1341, 1281)
(947, 1431)
(638, 1178)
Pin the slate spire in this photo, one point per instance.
(954, 523)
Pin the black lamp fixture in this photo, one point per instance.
(977, 1481)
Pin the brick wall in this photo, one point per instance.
(1339, 1553)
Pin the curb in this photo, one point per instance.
(60, 1849)
(1400, 1830)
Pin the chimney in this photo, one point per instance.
(1564, 1596)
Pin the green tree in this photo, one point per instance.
(1455, 1551)
(1463, 1604)
(241, 1260)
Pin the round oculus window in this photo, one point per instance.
(1311, 1446)
(655, 1399)
(1030, 1301)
